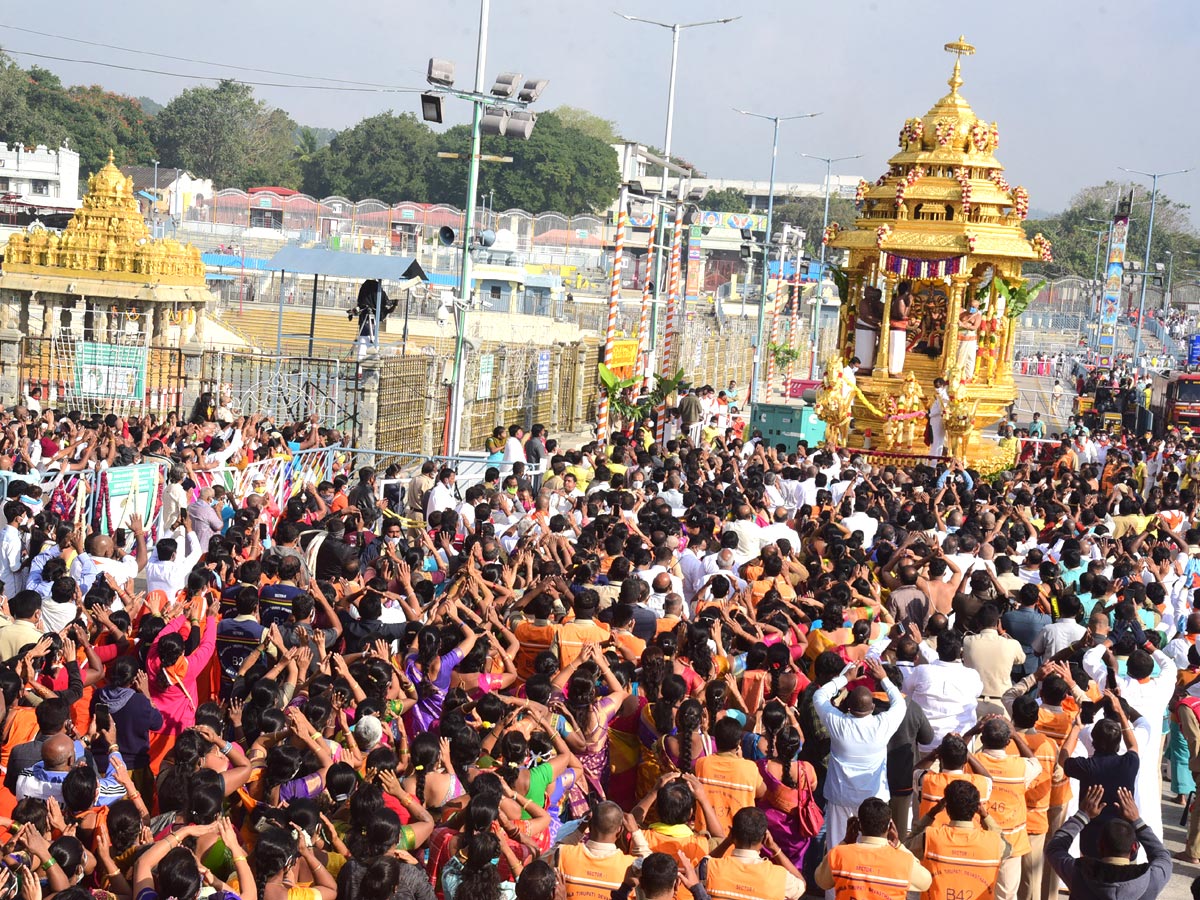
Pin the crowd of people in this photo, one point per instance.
(708, 668)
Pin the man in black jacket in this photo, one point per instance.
(1113, 875)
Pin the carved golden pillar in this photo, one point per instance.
(885, 325)
(958, 285)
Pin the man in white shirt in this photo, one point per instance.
(441, 496)
(12, 547)
(860, 521)
(166, 570)
(100, 558)
(749, 534)
(1062, 632)
(514, 447)
(858, 745)
(779, 529)
(947, 690)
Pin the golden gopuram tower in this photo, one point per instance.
(934, 291)
(106, 265)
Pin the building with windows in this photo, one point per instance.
(39, 178)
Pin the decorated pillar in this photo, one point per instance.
(885, 326)
(793, 330)
(643, 350)
(614, 307)
(958, 287)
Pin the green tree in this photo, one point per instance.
(560, 169)
(385, 157)
(1076, 244)
(223, 133)
(726, 200)
(589, 123)
(808, 213)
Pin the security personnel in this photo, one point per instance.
(867, 865)
(964, 856)
(732, 783)
(593, 870)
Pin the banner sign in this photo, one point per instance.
(110, 371)
(125, 491)
(543, 370)
(1194, 350)
(1110, 302)
(624, 355)
(487, 367)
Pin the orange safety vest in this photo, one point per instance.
(731, 783)
(737, 879)
(1007, 803)
(868, 872)
(964, 862)
(573, 635)
(534, 639)
(933, 789)
(589, 878)
(1056, 726)
(694, 847)
(1037, 795)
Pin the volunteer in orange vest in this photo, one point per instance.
(963, 857)
(955, 763)
(744, 874)
(1037, 795)
(660, 878)
(573, 636)
(676, 800)
(1012, 776)
(732, 783)
(593, 870)
(870, 863)
(535, 635)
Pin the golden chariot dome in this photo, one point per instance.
(934, 291)
(106, 239)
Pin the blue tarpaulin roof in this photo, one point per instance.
(442, 279)
(318, 261)
(235, 261)
(147, 196)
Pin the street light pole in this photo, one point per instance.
(829, 161)
(1153, 176)
(756, 368)
(1170, 273)
(464, 280)
(660, 225)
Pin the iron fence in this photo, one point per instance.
(290, 388)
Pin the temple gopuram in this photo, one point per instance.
(103, 275)
(934, 292)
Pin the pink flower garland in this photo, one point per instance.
(964, 182)
(998, 179)
(860, 192)
(1021, 202)
(944, 133)
(1043, 247)
(882, 233)
(915, 174)
(831, 233)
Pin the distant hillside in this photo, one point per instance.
(150, 107)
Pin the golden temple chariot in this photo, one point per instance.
(104, 265)
(944, 221)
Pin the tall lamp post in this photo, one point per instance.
(496, 112)
(766, 269)
(1153, 176)
(660, 220)
(829, 161)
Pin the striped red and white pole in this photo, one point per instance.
(772, 341)
(671, 337)
(614, 306)
(644, 321)
(793, 331)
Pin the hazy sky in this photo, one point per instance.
(1078, 88)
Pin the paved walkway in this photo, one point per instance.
(1180, 885)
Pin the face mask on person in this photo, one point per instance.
(392, 541)
(637, 485)
(260, 489)
(512, 491)
(328, 498)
